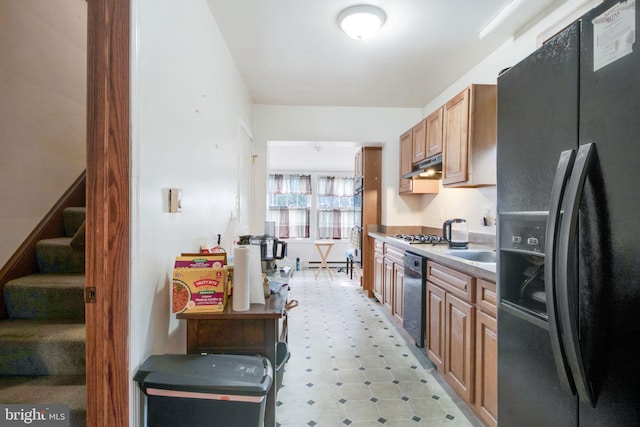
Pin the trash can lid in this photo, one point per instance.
(210, 373)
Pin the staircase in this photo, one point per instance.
(42, 342)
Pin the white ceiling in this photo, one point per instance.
(308, 156)
(292, 52)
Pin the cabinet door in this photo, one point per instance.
(406, 141)
(486, 394)
(398, 291)
(378, 276)
(419, 142)
(435, 325)
(456, 139)
(434, 133)
(387, 296)
(459, 349)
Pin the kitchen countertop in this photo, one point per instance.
(438, 254)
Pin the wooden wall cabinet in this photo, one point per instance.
(371, 161)
(469, 138)
(412, 186)
(433, 139)
(406, 142)
(419, 142)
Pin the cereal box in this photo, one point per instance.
(199, 284)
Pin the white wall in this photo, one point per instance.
(366, 126)
(187, 105)
(42, 110)
(312, 157)
(474, 203)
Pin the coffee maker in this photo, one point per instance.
(271, 249)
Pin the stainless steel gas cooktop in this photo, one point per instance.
(421, 239)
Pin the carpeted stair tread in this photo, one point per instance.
(57, 256)
(61, 389)
(46, 296)
(42, 347)
(73, 219)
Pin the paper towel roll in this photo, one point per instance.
(257, 289)
(242, 273)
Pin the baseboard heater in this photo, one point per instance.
(315, 264)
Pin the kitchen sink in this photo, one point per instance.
(475, 256)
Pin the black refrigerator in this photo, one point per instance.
(569, 227)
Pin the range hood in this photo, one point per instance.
(427, 169)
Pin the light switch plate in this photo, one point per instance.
(175, 200)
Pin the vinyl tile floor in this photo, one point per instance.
(351, 365)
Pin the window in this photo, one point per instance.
(289, 205)
(297, 209)
(336, 211)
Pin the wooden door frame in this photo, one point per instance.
(108, 219)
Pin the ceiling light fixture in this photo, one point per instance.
(361, 21)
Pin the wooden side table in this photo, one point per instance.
(256, 331)
(324, 248)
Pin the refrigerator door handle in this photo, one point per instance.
(563, 172)
(567, 271)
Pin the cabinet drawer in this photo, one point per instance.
(394, 254)
(459, 284)
(486, 297)
(379, 246)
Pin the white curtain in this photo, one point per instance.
(335, 186)
(335, 223)
(289, 184)
(291, 221)
(336, 217)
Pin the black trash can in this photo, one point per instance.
(205, 390)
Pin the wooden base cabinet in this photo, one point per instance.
(486, 398)
(378, 270)
(461, 336)
(435, 325)
(387, 297)
(389, 278)
(398, 292)
(459, 346)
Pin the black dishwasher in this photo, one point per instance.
(414, 296)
